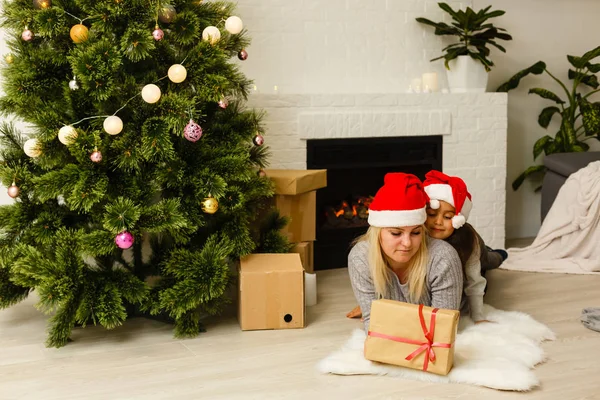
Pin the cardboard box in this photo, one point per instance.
(302, 211)
(271, 292)
(396, 333)
(293, 181)
(296, 198)
(306, 251)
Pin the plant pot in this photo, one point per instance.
(466, 75)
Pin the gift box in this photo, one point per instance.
(306, 251)
(413, 336)
(271, 292)
(296, 198)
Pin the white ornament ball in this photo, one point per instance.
(73, 85)
(32, 148)
(113, 125)
(211, 34)
(67, 135)
(177, 73)
(234, 25)
(151, 93)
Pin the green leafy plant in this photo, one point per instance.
(473, 32)
(579, 116)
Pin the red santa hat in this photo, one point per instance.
(452, 190)
(401, 201)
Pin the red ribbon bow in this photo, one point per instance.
(425, 346)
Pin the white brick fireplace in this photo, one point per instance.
(473, 127)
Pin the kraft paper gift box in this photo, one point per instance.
(271, 292)
(296, 198)
(411, 335)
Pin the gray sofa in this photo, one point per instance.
(559, 167)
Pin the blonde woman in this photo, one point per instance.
(396, 259)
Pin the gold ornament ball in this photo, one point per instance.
(42, 4)
(211, 34)
(79, 33)
(32, 148)
(210, 205)
(167, 14)
(67, 135)
(9, 59)
(151, 93)
(177, 73)
(113, 125)
(234, 25)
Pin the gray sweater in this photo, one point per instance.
(444, 279)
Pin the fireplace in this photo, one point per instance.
(355, 171)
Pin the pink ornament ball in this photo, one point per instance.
(223, 103)
(158, 34)
(192, 131)
(13, 191)
(96, 156)
(124, 240)
(258, 140)
(27, 35)
(243, 55)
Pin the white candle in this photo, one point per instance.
(310, 289)
(415, 84)
(430, 80)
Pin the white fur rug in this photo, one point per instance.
(498, 355)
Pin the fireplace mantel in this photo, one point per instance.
(473, 127)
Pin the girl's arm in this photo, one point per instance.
(475, 285)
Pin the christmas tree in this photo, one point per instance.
(140, 162)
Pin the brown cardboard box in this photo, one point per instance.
(271, 292)
(306, 251)
(296, 198)
(393, 322)
(293, 181)
(302, 211)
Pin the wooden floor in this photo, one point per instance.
(141, 360)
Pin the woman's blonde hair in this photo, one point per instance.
(380, 266)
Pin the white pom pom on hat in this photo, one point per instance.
(458, 221)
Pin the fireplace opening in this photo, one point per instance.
(355, 171)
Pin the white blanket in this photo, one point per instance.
(569, 239)
(497, 355)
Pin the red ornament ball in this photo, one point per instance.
(243, 55)
(158, 33)
(192, 131)
(258, 140)
(96, 156)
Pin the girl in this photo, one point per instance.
(396, 259)
(447, 213)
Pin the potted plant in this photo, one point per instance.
(579, 115)
(467, 62)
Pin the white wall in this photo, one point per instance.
(340, 46)
(375, 46)
(560, 28)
